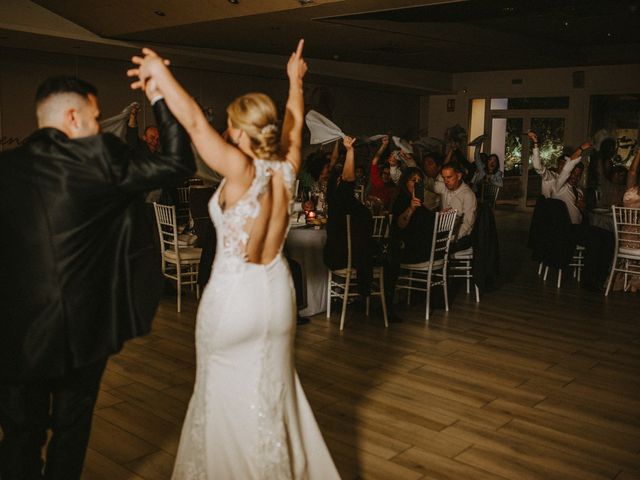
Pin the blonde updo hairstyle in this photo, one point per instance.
(256, 115)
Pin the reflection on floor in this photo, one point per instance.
(533, 382)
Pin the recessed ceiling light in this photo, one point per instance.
(160, 13)
(234, 2)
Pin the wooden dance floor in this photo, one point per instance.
(532, 383)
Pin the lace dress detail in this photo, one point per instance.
(234, 236)
(248, 417)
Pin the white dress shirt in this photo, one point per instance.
(461, 199)
(395, 172)
(548, 177)
(562, 190)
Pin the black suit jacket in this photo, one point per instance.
(79, 272)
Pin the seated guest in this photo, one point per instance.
(598, 243)
(455, 194)
(601, 162)
(298, 285)
(394, 160)
(431, 169)
(315, 172)
(150, 138)
(567, 186)
(613, 183)
(382, 186)
(411, 231)
(412, 224)
(631, 199)
(150, 144)
(342, 202)
(549, 177)
(487, 168)
(454, 154)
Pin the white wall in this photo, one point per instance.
(611, 79)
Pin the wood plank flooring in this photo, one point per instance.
(532, 383)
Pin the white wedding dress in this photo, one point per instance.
(248, 417)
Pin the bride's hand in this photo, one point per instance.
(149, 66)
(297, 67)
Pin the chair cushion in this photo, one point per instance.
(188, 253)
(466, 254)
(438, 264)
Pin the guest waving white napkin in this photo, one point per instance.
(403, 145)
(322, 129)
(118, 123)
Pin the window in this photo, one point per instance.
(530, 103)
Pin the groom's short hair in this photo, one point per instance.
(64, 84)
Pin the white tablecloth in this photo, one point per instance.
(304, 245)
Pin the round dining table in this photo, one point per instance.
(305, 244)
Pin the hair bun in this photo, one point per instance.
(269, 128)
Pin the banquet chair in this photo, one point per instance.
(182, 206)
(380, 233)
(423, 273)
(381, 225)
(539, 232)
(626, 258)
(359, 193)
(341, 282)
(558, 248)
(489, 194)
(178, 263)
(577, 263)
(461, 265)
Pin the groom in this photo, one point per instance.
(79, 273)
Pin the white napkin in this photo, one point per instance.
(403, 144)
(322, 129)
(373, 138)
(478, 140)
(431, 143)
(118, 123)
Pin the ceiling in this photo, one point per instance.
(444, 36)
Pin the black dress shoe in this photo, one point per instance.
(302, 320)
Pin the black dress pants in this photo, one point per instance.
(26, 412)
(599, 249)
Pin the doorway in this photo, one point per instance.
(508, 134)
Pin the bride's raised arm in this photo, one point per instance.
(214, 150)
(291, 139)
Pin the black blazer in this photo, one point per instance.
(79, 272)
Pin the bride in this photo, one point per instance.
(248, 417)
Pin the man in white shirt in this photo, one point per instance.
(567, 184)
(549, 177)
(455, 194)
